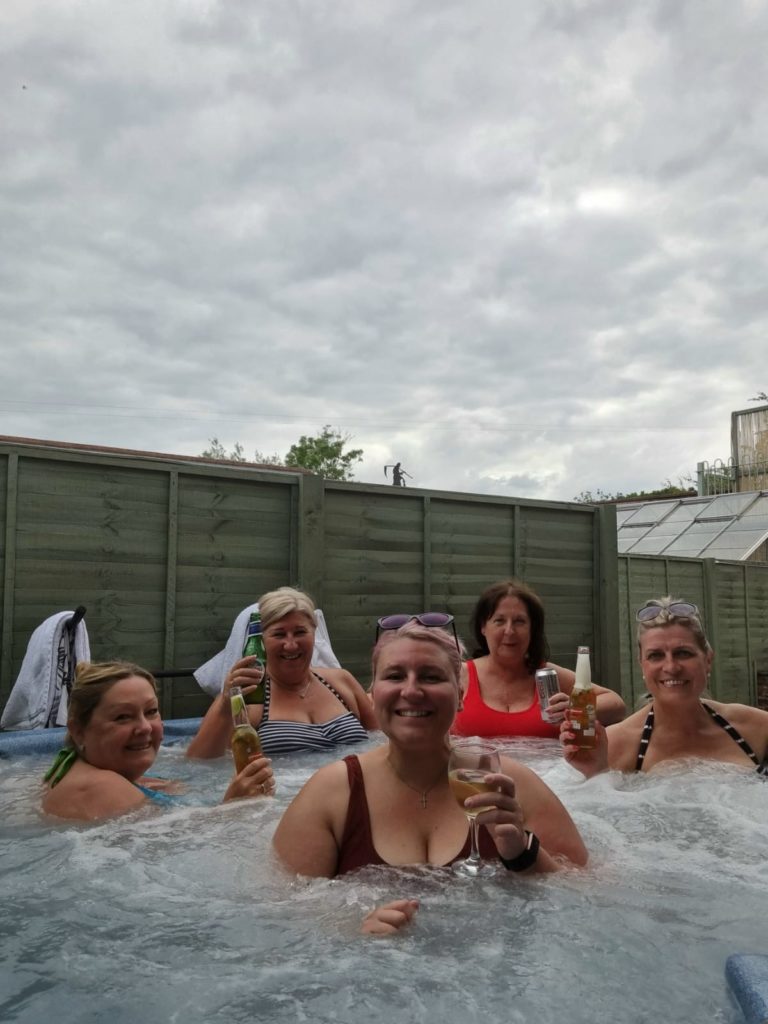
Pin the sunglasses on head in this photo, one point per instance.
(654, 609)
(440, 620)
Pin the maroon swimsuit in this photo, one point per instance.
(357, 849)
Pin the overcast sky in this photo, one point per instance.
(521, 247)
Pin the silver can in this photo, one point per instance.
(547, 686)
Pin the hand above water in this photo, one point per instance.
(556, 708)
(256, 779)
(589, 762)
(246, 673)
(389, 918)
(504, 817)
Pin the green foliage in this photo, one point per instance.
(218, 451)
(667, 490)
(325, 454)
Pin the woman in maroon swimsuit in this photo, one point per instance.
(393, 805)
(498, 685)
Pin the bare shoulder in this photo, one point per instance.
(751, 723)
(340, 679)
(91, 793)
(309, 834)
(325, 794)
(352, 692)
(735, 713)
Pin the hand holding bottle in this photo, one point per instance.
(256, 779)
(590, 761)
(247, 673)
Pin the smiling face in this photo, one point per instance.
(673, 661)
(289, 643)
(508, 630)
(415, 690)
(125, 730)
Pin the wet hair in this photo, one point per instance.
(488, 602)
(428, 634)
(668, 618)
(276, 604)
(92, 681)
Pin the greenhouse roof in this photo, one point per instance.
(721, 526)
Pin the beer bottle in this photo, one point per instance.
(245, 739)
(583, 701)
(254, 645)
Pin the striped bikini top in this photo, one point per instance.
(283, 737)
(645, 739)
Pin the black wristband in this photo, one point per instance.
(527, 858)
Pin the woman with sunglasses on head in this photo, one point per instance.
(303, 708)
(679, 722)
(499, 685)
(114, 731)
(393, 804)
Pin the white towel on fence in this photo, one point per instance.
(211, 675)
(39, 687)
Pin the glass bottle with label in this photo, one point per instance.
(245, 740)
(583, 703)
(254, 646)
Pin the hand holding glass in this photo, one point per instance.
(470, 761)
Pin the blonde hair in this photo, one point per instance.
(666, 617)
(276, 604)
(414, 630)
(92, 680)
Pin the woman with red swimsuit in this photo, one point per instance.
(498, 685)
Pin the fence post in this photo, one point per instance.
(606, 584)
(310, 542)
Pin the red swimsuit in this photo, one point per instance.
(477, 719)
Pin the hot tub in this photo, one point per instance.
(180, 915)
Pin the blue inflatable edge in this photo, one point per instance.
(15, 743)
(747, 977)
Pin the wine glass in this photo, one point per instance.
(469, 762)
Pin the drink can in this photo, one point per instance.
(547, 686)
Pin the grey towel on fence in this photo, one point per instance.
(210, 676)
(38, 697)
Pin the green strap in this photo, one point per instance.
(63, 761)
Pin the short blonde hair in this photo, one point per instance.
(276, 604)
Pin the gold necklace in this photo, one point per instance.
(422, 792)
(287, 689)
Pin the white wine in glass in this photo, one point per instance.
(470, 761)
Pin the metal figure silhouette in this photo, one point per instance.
(398, 474)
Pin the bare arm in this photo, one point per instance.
(307, 838)
(545, 815)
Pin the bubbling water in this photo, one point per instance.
(182, 914)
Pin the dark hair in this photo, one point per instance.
(488, 602)
(92, 681)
